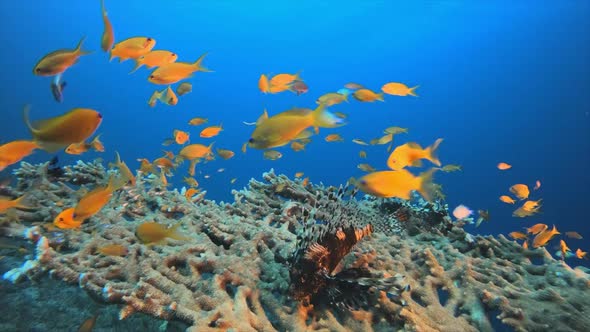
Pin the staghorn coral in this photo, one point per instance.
(234, 273)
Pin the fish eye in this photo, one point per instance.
(38, 70)
(151, 76)
(251, 140)
(61, 219)
(149, 39)
(99, 116)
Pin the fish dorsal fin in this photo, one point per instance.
(413, 145)
(262, 118)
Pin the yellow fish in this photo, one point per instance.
(272, 154)
(366, 167)
(79, 148)
(366, 95)
(197, 121)
(284, 127)
(154, 233)
(59, 61)
(411, 153)
(184, 88)
(155, 59)
(108, 36)
(332, 98)
(166, 96)
(15, 151)
(177, 71)
(396, 184)
(132, 48)
(399, 89)
(58, 132)
(225, 154)
(521, 191)
(334, 138)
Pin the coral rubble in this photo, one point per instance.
(235, 271)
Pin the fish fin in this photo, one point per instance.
(411, 91)
(425, 184)
(325, 119)
(432, 152)
(20, 203)
(380, 96)
(97, 144)
(173, 234)
(138, 65)
(262, 118)
(26, 111)
(79, 49)
(111, 55)
(199, 61)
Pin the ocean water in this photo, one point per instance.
(500, 81)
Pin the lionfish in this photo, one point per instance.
(330, 231)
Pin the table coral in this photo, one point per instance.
(234, 272)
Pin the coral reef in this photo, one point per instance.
(234, 271)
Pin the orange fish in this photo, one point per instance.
(366, 95)
(95, 200)
(164, 163)
(297, 146)
(154, 233)
(353, 86)
(528, 209)
(363, 154)
(155, 59)
(518, 235)
(197, 121)
(332, 98)
(411, 153)
(298, 174)
(507, 199)
(181, 137)
(542, 238)
(573, 235)
(537, 228)
(537, 185)
(284, 79)
(399, 184)
(305, 182)
(58, 132)
(334, 138)
(195, 151)
(504, 166)
(225, 154)
(65, 219)
(132, 48)
(13, 152)
(177, 71)
(79, 148)
(59, 61)
(525, 245)
(190, 192)
(191, 182)
(521, 191)
(168, 154)
(108, 36)
(563, 248)
(263, 84)
(399, 89)
(113, 250)
(211, 131)
(580, 254)
(6, 204)
(88, 324)
(145, 166)
(127, 177)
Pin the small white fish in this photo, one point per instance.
(462, 212)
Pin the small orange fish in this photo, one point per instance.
(195, 151)
(181, 137)
(154, 233)
(177, 71)
(334, 138)
(88, 324)
(65, 219)
(353, 86)
(363, 154)
(366, 95)
(13, 152)
(504, 166)
(164, 163)
(263, 84)
(298, 175)
(399, 89)
(305, 182)
(184, 88)
(190, 192)
(507, 199)
(543, 238)
(410, 154)
(132, 48)
(284, 79)
(155, 59)
(297, 146)
(518, 235)
(580, 254)
(59, 61)
(537, 185)
(197, 121)
(7, 204)
(113, 250)
(145, 166)
(573, 235)
(525, 244)
(108, 36)
(79, 148)
(521, 191)
(563, 248)
(211, 131)
(537, 228)
(386, 184)
(95, 200)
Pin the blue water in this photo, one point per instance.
(499, 81)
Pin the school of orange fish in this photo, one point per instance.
(295, 127)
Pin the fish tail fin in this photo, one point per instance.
(325, 119)
(431, 150)
(198, 64)
(411, 91)
(297, 76)
(425, 187)
(380, 96)
(111, 55)
(103, 8)
(79, 49)
(346, 97)
(138, 65)
(26, 112)
(20, 203)
(173, 233)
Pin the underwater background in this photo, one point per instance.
(499, 81)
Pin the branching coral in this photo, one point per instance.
(233, 273)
